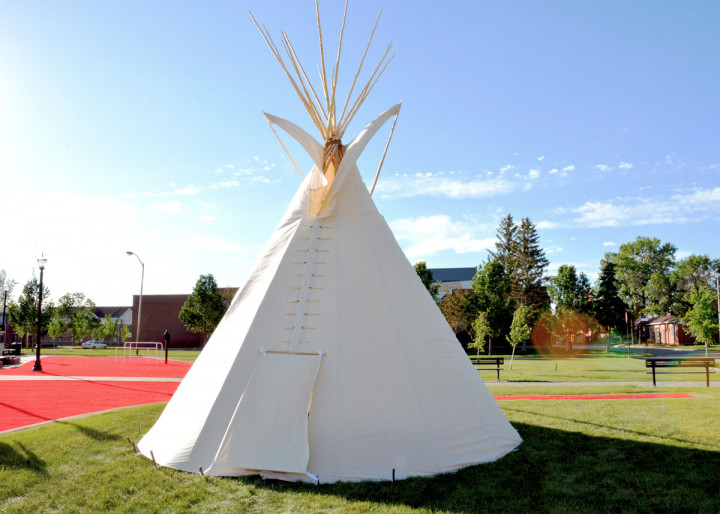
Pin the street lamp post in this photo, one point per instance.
(6, 290)
(41, 264)
(142, 279)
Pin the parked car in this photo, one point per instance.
(92, 344)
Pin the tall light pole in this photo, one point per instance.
(41, 264)
(142, 279)
(6, 290)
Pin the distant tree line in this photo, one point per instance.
(513, 297)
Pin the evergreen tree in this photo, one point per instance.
(530, 267)
(506, 247)
(608, 308)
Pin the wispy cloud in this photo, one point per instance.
(609, 243)
(403, 186)
(625, 165)
(425, 236)
(602, 167)
(167, 207)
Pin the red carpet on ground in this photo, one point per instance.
(39, 398)
(28, 402)
(102, 367)
(595, 396)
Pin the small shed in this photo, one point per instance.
(664, 330)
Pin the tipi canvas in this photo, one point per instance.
(332, 363)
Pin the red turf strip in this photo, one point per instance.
(595, 397)
(102, 367)
(28, 402)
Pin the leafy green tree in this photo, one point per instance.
(110, 328)
(22, 315)
(124, 333)
(635, 263)
(702, 317)
(80, 328)
(98, 333)
(491, 294)
(568, 290)
(695, 270)
(57, 328)
(205, 307)
(454, 308)
(426, 277)
(482, 330)
(608, 308)
(78, 311)
(519, 329)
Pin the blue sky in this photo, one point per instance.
(138, 126)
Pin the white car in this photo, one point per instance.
(92, 344)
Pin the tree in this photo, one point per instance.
(426, 277)
(695, 270)
(79, 313)
(5, 281)
(57, 328)
(702, 317)
(635, 264)
(519, 329)
(22, 315)
(482, 330)
(506, 247)
(608, 308)
(124, 333)
(491, 294)
(454, 308)
(205, 307)
(110, 328)
(568, 290)
(530, 266)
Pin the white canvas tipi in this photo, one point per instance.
(332, 363)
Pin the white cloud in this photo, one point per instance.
(625, 165)
(700, 198)
(507, 168)
(189, 190)
(167, 207)
(534, 174)
(547, 224)
(428, 235)
(567, 169)
(553, 171)
(207, 218)
(207, 244)
(553, 249)
(602, 167)
(609, 243)
(403, 186)
(541, 158)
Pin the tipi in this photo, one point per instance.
(332, 363)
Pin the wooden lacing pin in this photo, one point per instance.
(153, 459)
(133, 445)
(201, 471)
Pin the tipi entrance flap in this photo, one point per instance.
(269, 429)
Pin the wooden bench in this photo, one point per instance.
(680, 362)
(487, 361)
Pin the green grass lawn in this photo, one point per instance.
(653, 455)
(178, 355)
(606, 368)
(599, 455)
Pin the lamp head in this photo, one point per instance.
(42, 261)
(129, 252)
(6, 289)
